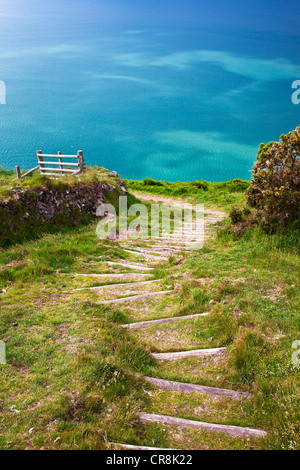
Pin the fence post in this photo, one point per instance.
(60, 161)
(80, 161)
(18, 172)
(40, 160)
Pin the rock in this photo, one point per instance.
(122, 186)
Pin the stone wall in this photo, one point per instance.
(28, 212)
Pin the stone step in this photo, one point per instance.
(143, 324)
(182, 354)
(235, 431)
(190, 388)
(134, 297)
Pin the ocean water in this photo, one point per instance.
(180, 99)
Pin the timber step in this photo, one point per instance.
(129, 446)
(128, 284)
(231, 430)
(147, 255)
(177, 243)
(176, 239)
(115, 275)
(134, 297)
(190, 388)
(130, 265)
(143, 324)
(140, 249)
(182, 354)
(166, 247)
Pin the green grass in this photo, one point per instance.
(36, 181)
(71, 371)
(222, 195)
(73, 378)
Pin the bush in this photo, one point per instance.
(235, 185)
(152, 182)
(200, 184)
(274, 191)
(238, 215)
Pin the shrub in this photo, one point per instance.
(200, 184)
(235, 185)
(274, 191)
(239, 215)
(152, 182)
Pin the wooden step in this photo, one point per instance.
(148, 250)
(190, 388)
(182, 354)
(143, 324)
(130, 266)
(134, 297)
(129, 446)
(128, 284)
(140, 249)
(172, 243)
(146, 255)
(177, 239)
(166, 246)
(143, 248)
(235, 431)
(115, 275)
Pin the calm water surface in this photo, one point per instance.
(169, 101)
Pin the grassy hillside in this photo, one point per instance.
(74, 376)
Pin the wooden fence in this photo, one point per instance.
(53, 165)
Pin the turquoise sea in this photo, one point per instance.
(163, 92)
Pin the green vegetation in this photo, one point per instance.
(274, 192)
(221, 195)
(71, 378)
(74, 376)
(38, 204)
(37, 181)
